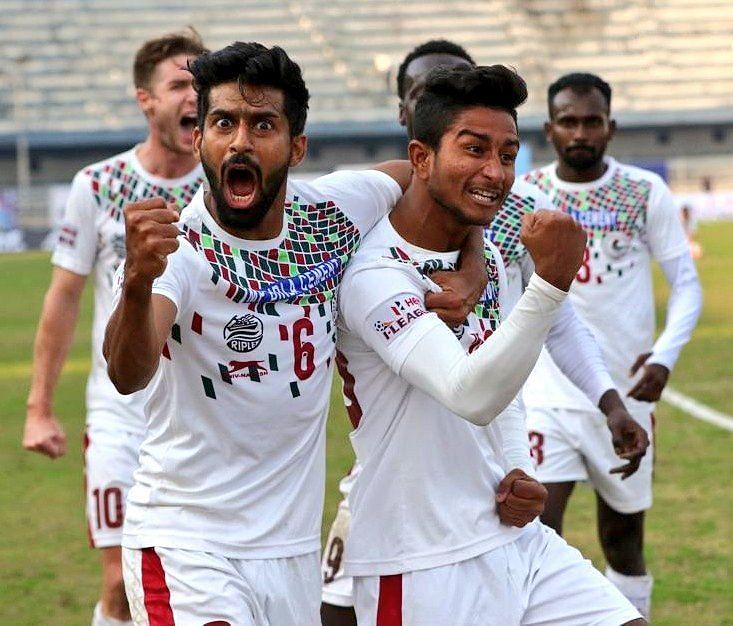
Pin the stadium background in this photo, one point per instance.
(66, 100)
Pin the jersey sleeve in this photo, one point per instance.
(385, 307)
(76, 246)
(366, 196)
(665, 234)
(176, 282)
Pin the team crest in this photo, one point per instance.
(243, 333)
(616, 244)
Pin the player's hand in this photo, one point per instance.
(458, 298)
(652, 382)
(519, 499)
(556, 244)
(44, 434)
(151, 235)
(630, 441)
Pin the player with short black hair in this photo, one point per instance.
(92, 241)
(630, 218)
(435, 523)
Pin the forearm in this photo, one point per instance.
(576, 352)
(53, 341)
(131, 344)
(683, 310)
(480, 385)
(514, 440)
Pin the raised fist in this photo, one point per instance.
(556, 244)
(151, 235)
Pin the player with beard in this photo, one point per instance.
(428, 545)
(92, 241)
(229, 314)
(630, 218)
(569, 340)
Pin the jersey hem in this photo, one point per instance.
(70, 264)
(411, 564)
(139, 541)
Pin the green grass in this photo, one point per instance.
(49, 576)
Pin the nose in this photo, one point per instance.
(241, 140)
(492, 168)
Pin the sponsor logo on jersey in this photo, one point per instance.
(405, 312)
(243, 333)
(247, 369)
(594, 218)
(615, 244)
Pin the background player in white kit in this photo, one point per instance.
(426, 545)
(569, 339)
(92, 240)
(630, 218)
(223, 521)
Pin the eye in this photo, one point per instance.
(474, 148)
(508, 158)
(264, 125)
(224, 123)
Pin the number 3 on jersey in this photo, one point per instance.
(583, 275)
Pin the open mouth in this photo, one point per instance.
(188, 122)
(485, 197)
(240, 186)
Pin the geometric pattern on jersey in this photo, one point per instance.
(304, 269)
(612, 215)
(487, 308)
(116, 183)
(506, 226)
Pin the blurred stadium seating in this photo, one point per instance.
(72, 58)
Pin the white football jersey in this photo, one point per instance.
(424, 495)
(92, 239)
(233, 461)
(630, 217)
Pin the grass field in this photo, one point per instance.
(49, 576)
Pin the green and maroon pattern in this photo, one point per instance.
(304, 269)
(506, 227)
(116, 183)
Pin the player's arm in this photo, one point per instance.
(462, 289)
(669, 246)
(427, 354)
(43, 433)
(683, 310)
(576, 352)
(400, 170)
(141, 322)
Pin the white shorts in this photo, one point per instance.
(167, 586)
(537, 579)
(569, 445)
(110, 459)
(337, 587)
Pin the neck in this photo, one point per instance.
(421, 221)
(573, 175)
(269, 227)
(163, 162)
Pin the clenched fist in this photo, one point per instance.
(556, 244)
(519, 499)
(151, 234)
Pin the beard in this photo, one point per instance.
(581, 159)
(254, 214)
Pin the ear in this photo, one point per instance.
(547, 127)
(298, 148)
(197, 138)
(421, 158)
(611, 129)
(402, 116)
(144, 100)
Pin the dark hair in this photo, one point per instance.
(450, 91)
(252, 64)
(579, 83)
(434, 46)
(155, 51)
